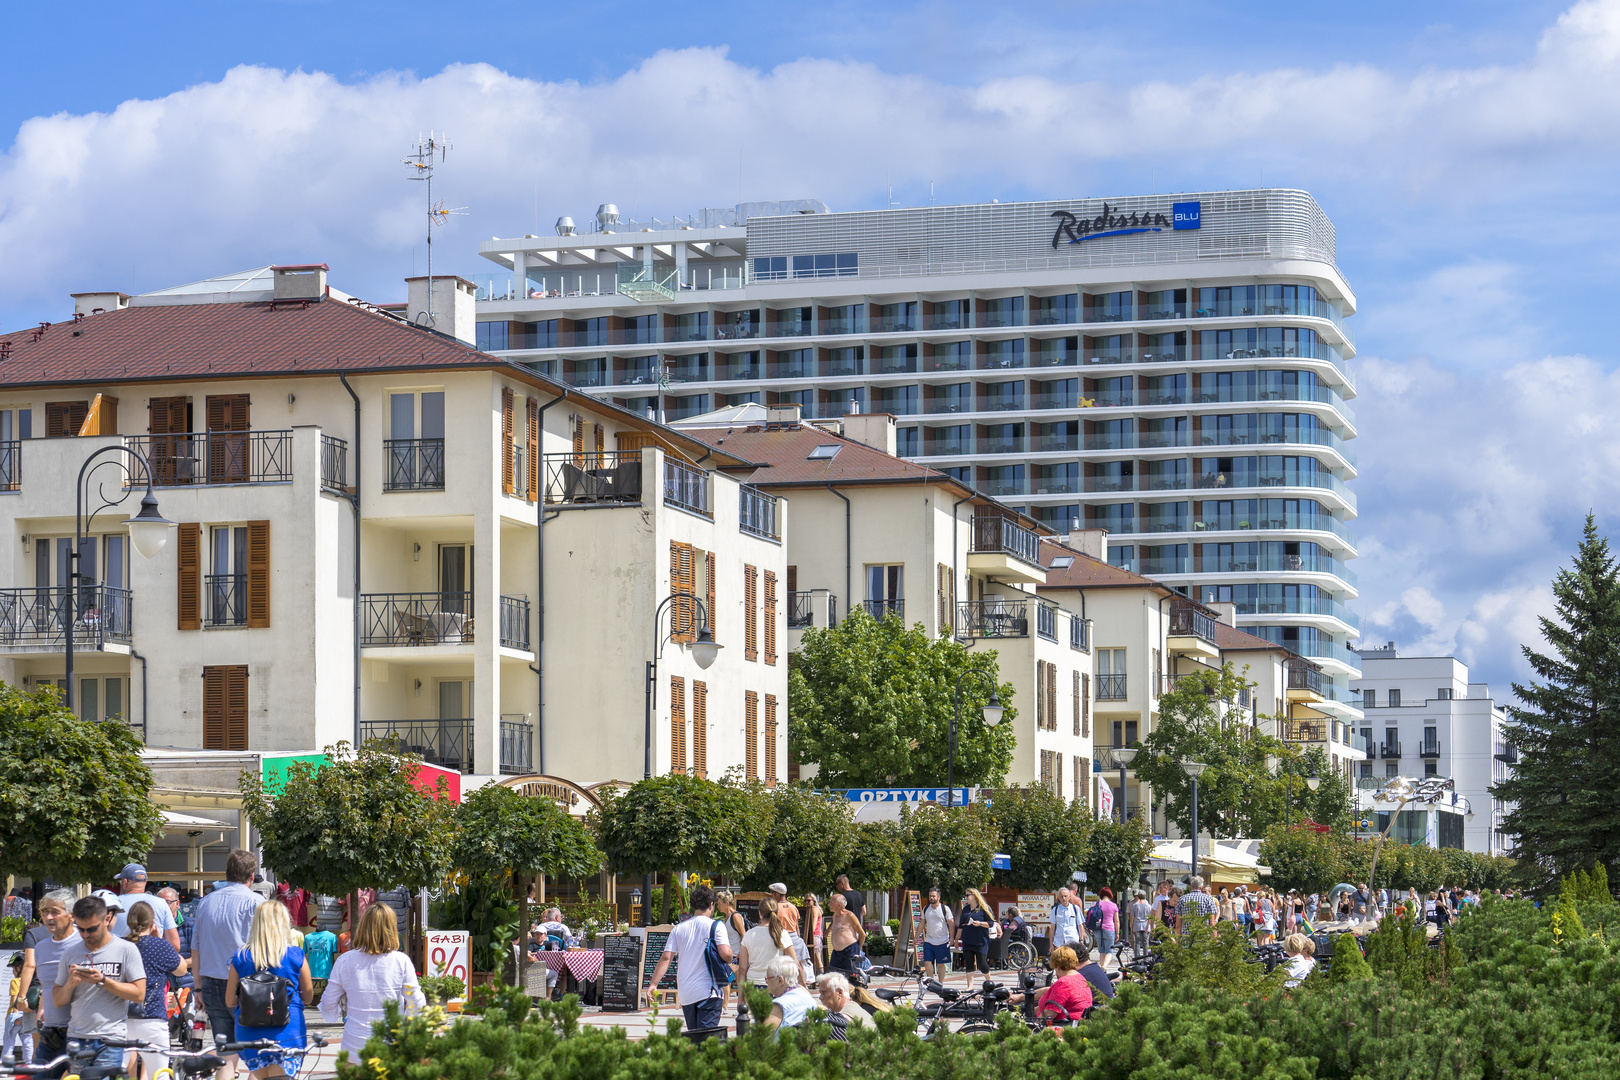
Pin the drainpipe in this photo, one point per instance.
(849, 596)
(956, 552)
(539, 666)
(354, 501)
(142, 659)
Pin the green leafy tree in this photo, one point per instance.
(870, 702)
(356, 821)
(75, 796)
(1044, 834)
(666, 823)
(1116, 854)
(812, 839)
(499, 830)
(1566, 786)
(1302, 859)
(877, 860)
(952, 849)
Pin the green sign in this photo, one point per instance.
(273, 770)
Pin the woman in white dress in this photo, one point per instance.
(368, 976)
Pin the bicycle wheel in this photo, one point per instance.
(1020, 954)
(978, 1027)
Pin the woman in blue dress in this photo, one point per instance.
(270, 949)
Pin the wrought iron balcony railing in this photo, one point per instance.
(445, 743)
(214, 457)
(995, 618)
(595, 478)
(413, 464)
(434, 618)
(37, 617)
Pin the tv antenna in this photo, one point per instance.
(430, 151)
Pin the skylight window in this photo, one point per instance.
(824, 452)
(1062, 562)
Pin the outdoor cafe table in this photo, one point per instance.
(585, 965)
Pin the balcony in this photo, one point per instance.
(225, 600)
(334, 465)
(445, 743)
(1429, 748)
(514, 622)
(995, 618)
(416, 619)
(1046, 621)
(1508, 755)
(1391, 751)
(215, 457)
(1307, 731)
(1111, 687)
(595, 479)
(413, 464)
(35, 618)
(756, 513)
(1005, 549)
(880, 609)
(812, 607)
(686, 488)
(10, 466)
(1079, 633)
(517, 745)
(1304, 681)
(1192, 629)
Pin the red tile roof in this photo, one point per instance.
(1090, 573)
(784, 456)
(1231, 638)
(189, 340)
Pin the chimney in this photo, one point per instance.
(1225, 613)
(453, 306)
(299, 282)
(1093, 542)
(90, 303)
(873, 429)
(784, 415)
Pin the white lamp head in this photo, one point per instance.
(149, 530)
(1123, 755)
(993, 710)
(705, 648)
(1194, 769)
(1313, 781)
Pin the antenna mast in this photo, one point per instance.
(430, 150)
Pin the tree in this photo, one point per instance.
(1043, 833)
(1565, 789)
(355, 821)
(1302, 859)
(1117, 853)
(951, 849)
(871, 702)
(666, 823)
(75, 796)
(812, 839)
(877, 859)
(499, 830)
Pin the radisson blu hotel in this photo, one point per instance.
(1175, 369)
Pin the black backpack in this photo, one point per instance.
(261, 999)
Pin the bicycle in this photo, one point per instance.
(199, 1063)
(953, 1002)
(77, 1054)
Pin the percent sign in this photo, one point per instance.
(447, 953)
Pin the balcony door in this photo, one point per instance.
(227, 583)
(885, 590)
(416, 439)
(229, 419)
(456, 578)
(455, 699)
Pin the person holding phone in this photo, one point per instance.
(98, 981)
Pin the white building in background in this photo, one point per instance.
(1173, 369)
(1424, 718)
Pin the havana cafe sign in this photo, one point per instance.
(1074, 230)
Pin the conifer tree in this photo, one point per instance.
(1567, 783)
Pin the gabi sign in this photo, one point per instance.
(1183, 215)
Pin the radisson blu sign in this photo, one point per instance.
(1183, 215)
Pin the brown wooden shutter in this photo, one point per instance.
(677, 724)
(533, 443)
(1057, 774)
(258, 574)
(1085, 705)
(1077, 778)
(1051, 697)
(579, 441)
(166, 418)
(508, 480)
(601, 446)
(770, 740)
(1077, 699)
(188, 564)
(102, 419)
(1040, 695)
(1158, 672)
(792, 579)
(225, 707)
(751, 735)
(65, 418)
(700, 728)
(166, 415)
(708, 594)
(229, 412)
(939, 592)
(750, 614)
(682, 613)
(1046, 769)
(770, 617)
(1085, 777)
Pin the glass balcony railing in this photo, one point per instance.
(1319, 605)
(1055, 485)
(1110, 483)
(955, 321)
(1297, 437)
(1060, 443)
(947, 447)
(1108, 399)
(1001, 444)
(895, 324)
(946, 405)
(1111, 440)
(1001, 487)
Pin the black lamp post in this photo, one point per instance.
(993, 712)
(148, 532)
(704, 650)
(1194, 769)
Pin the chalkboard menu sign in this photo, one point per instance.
(621, 969)
(657, 939)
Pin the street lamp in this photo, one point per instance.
(1194, 769)
(148, 532)
(1312, 781)
(1122, 758)
(992, 712)
(704, 651)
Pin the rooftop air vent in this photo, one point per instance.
(565, 226)
(606, 214)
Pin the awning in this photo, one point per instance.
(175, 821)
(1232, 860)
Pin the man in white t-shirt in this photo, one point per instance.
(699, 994)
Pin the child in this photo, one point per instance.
(1301, 952)
(19, 1023)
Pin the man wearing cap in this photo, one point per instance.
(132, 881)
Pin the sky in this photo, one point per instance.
(1467, 153)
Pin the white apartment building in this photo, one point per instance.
(1174, 369)
(905, 539)
(516, 539)
(1426, 719)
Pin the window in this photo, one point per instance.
(677, 724)
(1125, 732)
(1369, 698)
(1444, 693)
(225, 707)
(1392, 768)
(492, 336)
(843, 264)
(885, 590)
(906, 442)
(1431, 768)
(945, 594)
(1110, 675)
(16, 424)
(825, 452)
(226, 584)
(414, 450)
(770, 268)
(1394, 699)
(1365, 768)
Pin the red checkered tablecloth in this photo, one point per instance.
(585, 965)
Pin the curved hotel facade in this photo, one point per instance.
(1174, 369)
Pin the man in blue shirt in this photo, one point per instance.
(1068, 922)
(221, 929)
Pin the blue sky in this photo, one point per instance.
(1467, 153)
